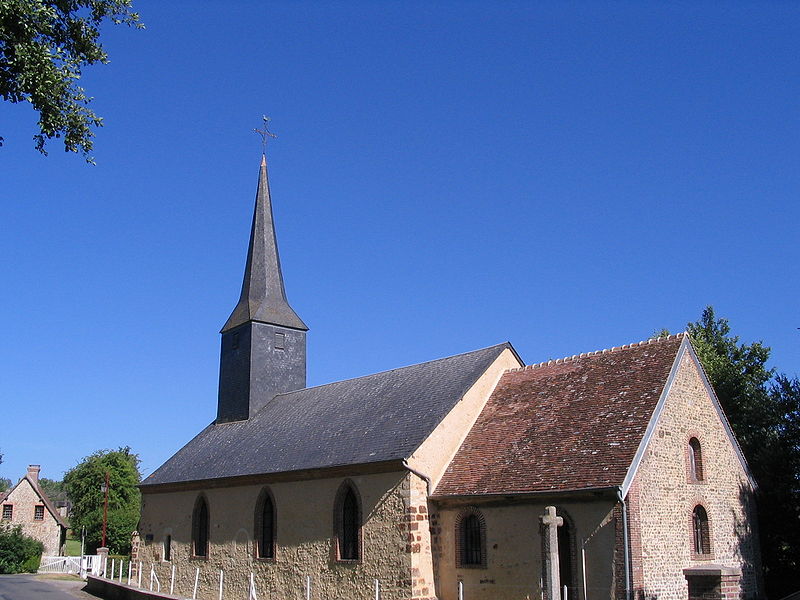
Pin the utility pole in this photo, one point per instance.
(105, 511)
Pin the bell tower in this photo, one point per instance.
(263, 341)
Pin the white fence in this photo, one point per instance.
(60, 564)
(79, 565)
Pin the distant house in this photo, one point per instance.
(26, 504)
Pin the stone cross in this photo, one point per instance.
(550, 577)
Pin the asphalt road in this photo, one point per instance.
(31, 587)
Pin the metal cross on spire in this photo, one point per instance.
(265, 133)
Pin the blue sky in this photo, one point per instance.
(448, 175)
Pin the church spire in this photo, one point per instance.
(263, 297)
(263, 351)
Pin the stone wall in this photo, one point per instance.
(24, 498)
(394, 540)
(513, 549)
(664, 494)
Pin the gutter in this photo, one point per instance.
(626, 543)
(421, 475)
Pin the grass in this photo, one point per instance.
(73, 547)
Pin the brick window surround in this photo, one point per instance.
(347, 538)
(695, 451)
(265, 521)
(470, 537)
(701, 533)
(38, 512)
(8, 512)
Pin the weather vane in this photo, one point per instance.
(265, 133)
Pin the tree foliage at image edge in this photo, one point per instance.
(43, 47)
(19, 553)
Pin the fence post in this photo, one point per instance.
(308, 587)
(253, 595)
(220, 584)
(121, 564)
(152, 574)
(172, 580)
(460, 590)
(377, 590)
(564, 597)
(139, 575)
(130, 569)
(196, 577)
(113, 564)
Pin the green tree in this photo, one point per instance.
(54, 489)
(84, 484)
(18, 552)
(5, 484)
(764, 412)
(44, 45)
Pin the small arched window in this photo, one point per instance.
(700, 531)
(695, 459)
(347, 520)
(471, 539)
(265, 521)
(200, 527)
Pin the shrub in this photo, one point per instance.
(19, 553)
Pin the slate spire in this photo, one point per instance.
(263, 296)
(263, 349)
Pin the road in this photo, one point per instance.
(31, 587)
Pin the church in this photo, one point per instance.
(611, 474)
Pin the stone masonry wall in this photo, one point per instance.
(390, 505)
(664, 494)
(24, 498)
(513, 550)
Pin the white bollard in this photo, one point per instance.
(172, 580)
(308, 587)
(130, 569)
(152, 574)
(139, 576)
(196, 577)
(564, 597)
(121, 564)
(220, 584)
(112, 567)
(253, 595)
(460, 590)
(377, 590)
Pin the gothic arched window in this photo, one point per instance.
(701, 533)
(347, 522)
(265, 521)
(695, 460)
(200, 527)
(471, 539)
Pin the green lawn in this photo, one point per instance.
(73, 547)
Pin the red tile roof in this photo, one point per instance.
(568, 424)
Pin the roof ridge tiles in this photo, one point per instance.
(566, 359)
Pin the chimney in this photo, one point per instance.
(33, 472)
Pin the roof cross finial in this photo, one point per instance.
(265, 133)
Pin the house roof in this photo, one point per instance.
(564, 425)
(377, 418)
(45, 500)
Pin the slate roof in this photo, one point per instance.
(563, 425)
(376, 418)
